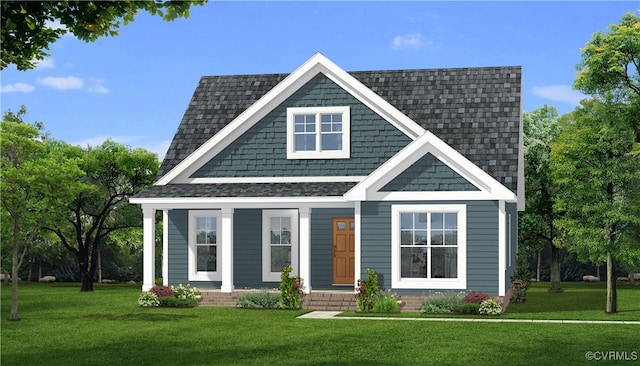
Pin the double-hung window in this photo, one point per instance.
(429, 246)
(318, 133)
(204, 245)
(279, 243)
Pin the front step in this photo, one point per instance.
(329, 301)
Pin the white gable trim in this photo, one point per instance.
(489, 188)
(316, 64)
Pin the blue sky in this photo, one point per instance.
(134, 88)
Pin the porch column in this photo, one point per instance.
(227, 250)
(502, 243)
(148, 248)
(165, 247)
(357, 250)
(305, 247)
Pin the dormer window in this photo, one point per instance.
(318, 133)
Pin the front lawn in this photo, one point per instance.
(62, 326)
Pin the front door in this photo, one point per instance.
(343, 254)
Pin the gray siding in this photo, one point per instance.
(322, 245)
(178, 247)
(482, 244)
(428, 174)
(261, 151)
(247, 253)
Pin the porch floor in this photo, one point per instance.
(324, 300)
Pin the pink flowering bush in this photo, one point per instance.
(290, 289)
(367, 292)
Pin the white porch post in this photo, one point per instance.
(305, 247)
(357, 265)
(227, 250)
(148, 248)
(165, 247)
(502, 243)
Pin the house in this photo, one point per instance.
(417, 174)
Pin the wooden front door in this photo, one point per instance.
(343, 254)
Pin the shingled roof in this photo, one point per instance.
(474, 110)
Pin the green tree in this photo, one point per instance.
(113, 173)
(27, 29)
(610, 63)
(599, 180)
(540, 128)
(35, 182)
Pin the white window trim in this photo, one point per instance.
(345, 153)
(267, 275)
(194, 274)
(397, 281)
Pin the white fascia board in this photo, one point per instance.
(521, 188)
(316, 64)
(428, 143)
(439, 196)
(235, 180)
(169, 203)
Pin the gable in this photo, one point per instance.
(261, 150)
(428, 174)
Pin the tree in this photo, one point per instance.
(113, 173)
(27, 26)
(540, 128)
(35, 182)
(610, 63)
(599, 180)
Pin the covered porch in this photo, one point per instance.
(307, 255)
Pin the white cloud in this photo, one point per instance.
(62, 83)
(559, 93)
(47, 63)
(97, 86)
(18, 87)
(413, 40)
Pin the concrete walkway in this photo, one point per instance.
(333, 315)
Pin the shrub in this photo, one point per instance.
(441, 303)
(262, 300)
(367, 291)
(475, 297)
(148, 300)
(187, 296)
(519, 291)
(171, 302)
(290, 290)
(467, 308)
(490, 307)
(386, 303)
(163, 291)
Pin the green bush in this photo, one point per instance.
(467, 308)
(171, 302)
(367, 291)
(519, 291)
(490, 307)
(290, 290)
(261, 300)
(386, 303)
(148, 300)
(441, 303)
(187, 296)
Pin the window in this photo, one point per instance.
(318, 133)
(279, 243)
(429, 246)
(204, 246)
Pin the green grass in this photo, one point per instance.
(578, 301)
(62, 326)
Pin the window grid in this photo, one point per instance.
(422, 236)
